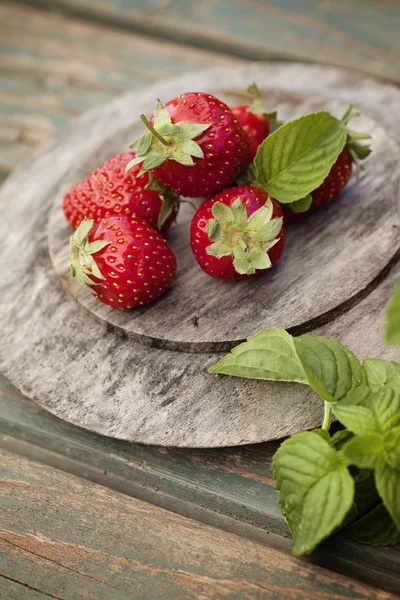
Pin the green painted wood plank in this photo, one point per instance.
(70, 539)
(227, 488)
(362, 34)
(53, 68)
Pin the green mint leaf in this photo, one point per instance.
(387, 480)
(331, 369)
(376, 528)
(381, 372)
(270, 355)
(391, 444)
(364, 451)
(295, 159)
(315, 488)
(392, 335)
(301, 205)
(358, 419)
(327, 366)
(385, 404)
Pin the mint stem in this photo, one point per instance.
(153, 130)
(327, 416)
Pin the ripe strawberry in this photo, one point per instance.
(109, 190)
(238, 233)
(255, 119)
(123, 260)
(338, 177)
(194, 145)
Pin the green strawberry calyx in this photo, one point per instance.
(246, 239)
(358, 151)
(81, 255)
(169, 200)
(166, 140)
(258, 106)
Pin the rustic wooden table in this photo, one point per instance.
(88, 517)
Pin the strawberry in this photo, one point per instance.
(338, 177)
(109, 190)
(255, 119)
(194, 145)
(123, 260)
(238, 233)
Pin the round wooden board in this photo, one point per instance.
(142, 376)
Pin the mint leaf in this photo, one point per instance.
(301, 205)
(392, 335)
(387, 480)
(315, 488)
(391, 443)
(364, 451)
(270, 354)
(381, 372)
(295, 159)
(331, 369)
(376, 528)
(327, 366)
(385, 405)
(358, 419)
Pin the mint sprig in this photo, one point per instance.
(294, 160)
(327, 483)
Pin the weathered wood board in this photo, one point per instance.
(228, 488)
(359, 34)
(82, 370)
(136, 550)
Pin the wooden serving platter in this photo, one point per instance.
(142, 375)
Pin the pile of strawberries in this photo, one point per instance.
(194, 146)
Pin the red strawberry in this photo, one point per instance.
(123, 260)
(194, 145)
(109, 190)
(238, 233)
(255, 119)
(338, 177)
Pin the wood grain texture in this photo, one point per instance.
(330, 259)
(81, 370)
(231, 489)
(120, 547)
(54, 67)
(362, 34)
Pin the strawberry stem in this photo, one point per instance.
(153, 130)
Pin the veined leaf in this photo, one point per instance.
(295, 159)
(381, 372)
(332, 370)
(327, 366)
(270, 354)
(315, 488)
(364, 451)
(387, 480)
(385, 405)
(358, 419)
